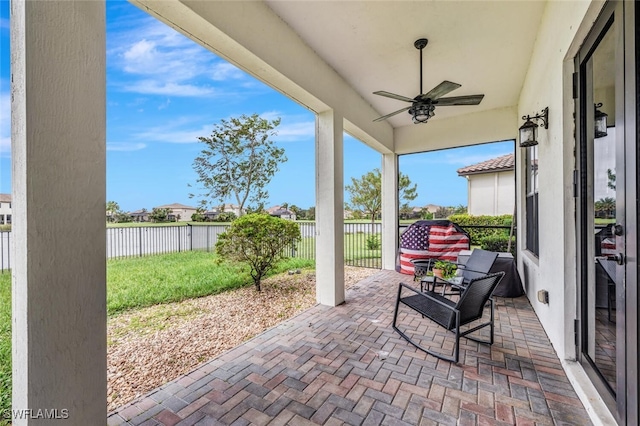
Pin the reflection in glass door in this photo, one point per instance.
(607, 157)
(599, 203)
(600, 345)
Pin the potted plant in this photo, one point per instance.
(444, 269)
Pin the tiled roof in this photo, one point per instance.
(5, 198)
(176, 206)
(493, 165)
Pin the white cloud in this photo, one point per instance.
(140, 51)
(168, 62)
(292, 128)
(175, 132)
(125, 146)
(292, 132)
(155, 87)
(225, 71)
(164, 104)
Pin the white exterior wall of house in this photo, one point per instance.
(183, 214)
(5, 213)
(491, 194)
(549, 84)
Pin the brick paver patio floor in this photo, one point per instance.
(324, 367)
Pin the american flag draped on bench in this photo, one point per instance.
(430, 239)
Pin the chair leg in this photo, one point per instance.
(456, 349)
(395, 313)
(492, 322)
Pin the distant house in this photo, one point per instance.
(233, 208)
(282, 213)
(431, 208)
(179, 212)
(5, 209)
(227, 208)
(491, 186)
(141, 215)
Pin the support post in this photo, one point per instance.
(390, 224)
(329, 209)
(59, 190)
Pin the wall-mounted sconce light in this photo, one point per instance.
(600, 119)
(529, 130)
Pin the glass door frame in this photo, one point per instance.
(624, 404)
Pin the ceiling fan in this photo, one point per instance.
(422, 106)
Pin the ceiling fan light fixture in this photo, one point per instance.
(423, 106)
(421, 113)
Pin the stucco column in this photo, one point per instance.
(58, 162)
(329, 209)
(390, 232)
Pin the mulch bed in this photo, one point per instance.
(151, 346)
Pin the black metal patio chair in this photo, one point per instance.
(450, 314)
(479, 264)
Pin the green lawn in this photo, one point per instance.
(356, 249)
(145, 281)
(5, 342)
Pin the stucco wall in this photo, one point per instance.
(491, 193)
(548, 83)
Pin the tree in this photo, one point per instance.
(199, 216)
(605, 207)
(366, 192)
(258, 240)
(310, 213)
(406, 212)
(239, 160)
(113, 209)
(159, 215)
(611, 177)
(460, 209)
(296, 210)
(226, 217)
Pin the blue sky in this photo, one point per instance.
(163, 91)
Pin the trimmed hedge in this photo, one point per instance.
(477, 234)
(498, 243)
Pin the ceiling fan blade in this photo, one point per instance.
(384, 117)
(393, 96)
(459, 100)
(440, 90)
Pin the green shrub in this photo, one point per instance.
(477, 234)
(499, 243)
(258, 240)
(373, 242)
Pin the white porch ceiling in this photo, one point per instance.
(483, 45)
(335, 54)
